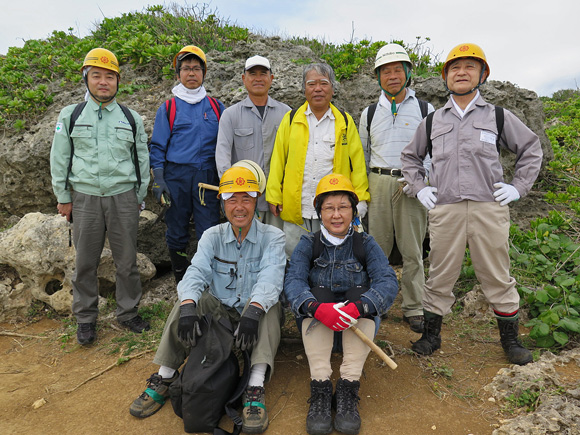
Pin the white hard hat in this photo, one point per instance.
(256, 170)
(391, 53)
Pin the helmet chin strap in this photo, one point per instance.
(393, 96)
(468, 92)
(101, 102)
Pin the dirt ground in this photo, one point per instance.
(438, 395)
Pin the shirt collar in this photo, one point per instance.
(93, 105)
(328, 113)
(251, 237)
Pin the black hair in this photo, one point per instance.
(351, 197)
(189, 56)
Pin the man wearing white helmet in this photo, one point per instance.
(248, 129)
(466, 196)
(100, 172)
(385, 128)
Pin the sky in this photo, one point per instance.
(529, 43)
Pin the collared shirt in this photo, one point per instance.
(102, 164)
(465, 163)
(319, 157)
(245, 134)
(390, 134)
(236, 273)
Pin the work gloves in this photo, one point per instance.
(188, 327)
(362, 208)
(247, 332)
(406, 187)
(427, 197)
(337, 317)
(505, 193)
(160, 189)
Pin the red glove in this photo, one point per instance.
(329, 315)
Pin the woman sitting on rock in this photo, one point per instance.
(336, 277)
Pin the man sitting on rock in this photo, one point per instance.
(253, 253)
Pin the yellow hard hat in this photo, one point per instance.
(256, 170)
(334, 183)
(238, 179)
(191, 49)
(102, 58)
(465, 50)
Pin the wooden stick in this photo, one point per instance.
(208, 186)
(15, 334)
(376, 349)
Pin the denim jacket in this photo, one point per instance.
(338, 269)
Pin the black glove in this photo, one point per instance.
(188, 327)
(160, 189)
(247, 332)
(363, 308)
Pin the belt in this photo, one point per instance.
(391, 172)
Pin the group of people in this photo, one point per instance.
(296, 232)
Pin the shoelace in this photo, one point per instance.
(318, 405)
(254, 396)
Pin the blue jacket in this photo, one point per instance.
(338, 269)
(193, 139)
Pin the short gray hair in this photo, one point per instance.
(322, 69)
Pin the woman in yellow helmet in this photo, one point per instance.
(337, 277)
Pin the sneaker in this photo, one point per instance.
(416, 323)
(86, 333)
(153, 398)
(136, 324)
(254, 415)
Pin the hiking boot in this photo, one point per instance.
(153, 398)
(136, 324)
(416, 323)
(86, 333)
(347, 419)
(508, 332)
(430, 341)
(319, 418)
(179, 264)
(254, 414)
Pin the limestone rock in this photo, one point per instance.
(37, 250)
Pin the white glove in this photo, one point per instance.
(406, 186)
(362, 208)
(427, 197)
(505, 193)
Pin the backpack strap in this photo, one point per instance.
(215, 106)
(358, 248)
(428, 128)
(131, 120)
(370, 116)
(73, 119)
(292, 113)
(499, 120)
(170, 109)
(424, 106)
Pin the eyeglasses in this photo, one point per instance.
(188, 69)
(311, 84)
(343, 209)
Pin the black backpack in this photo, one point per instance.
(73, 119)
(423, 106)
(210, 385)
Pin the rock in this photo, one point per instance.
(558, 410)
(475, 305)
(37, 251)
(24, 156)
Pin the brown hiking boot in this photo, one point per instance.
(153, 398)
(254, 415)
(416, 323)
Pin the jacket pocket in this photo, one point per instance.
(485, 140)
(244, 138)
(82, 137)
(441, 140)
(121, 149)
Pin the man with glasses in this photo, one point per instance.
(248, 129)
(183, 155)
(313, 141)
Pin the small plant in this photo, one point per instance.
(527, 399)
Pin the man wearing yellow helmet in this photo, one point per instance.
(466, 196)
(183, 155)
(385, 128)
(236, 273)
(99, 165)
